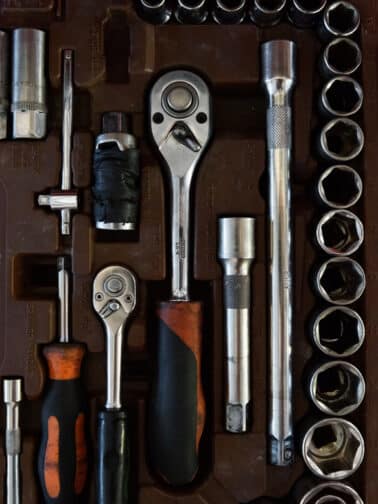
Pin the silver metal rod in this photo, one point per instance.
(63, 294)
(67, 119)
(4, 84)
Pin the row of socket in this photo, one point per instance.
(340, 18)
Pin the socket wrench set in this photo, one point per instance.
(188, 268)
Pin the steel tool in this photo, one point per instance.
(29, 105)
(114, 300)
(116, 175)
(4, 84)
(341, 140)
(340, 19)
(191, 11)
(333, 449)
(340, 280)
(229, 11)
(338, 331)
(341, 96)
(306, 13)
(155, 11)
(341, 56)
(236, 252)
(278, 76)
(12, 397)
(64, 200)
(63, 455)
(267, 12)
(340, 232)
(180, 119)
(307, 491)
(339, 187)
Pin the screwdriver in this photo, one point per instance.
(181, 129)
(62, 463)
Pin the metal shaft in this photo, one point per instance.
(67, 120)
(236, 251)
(12, 391)
(278, 75)
(4, 85)
(63, 293)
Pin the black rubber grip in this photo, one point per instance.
(237, 292)
(113, 458)
(115, 190)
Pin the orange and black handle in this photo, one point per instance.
(63, 456)
(177, 406)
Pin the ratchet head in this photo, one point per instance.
(180, 118)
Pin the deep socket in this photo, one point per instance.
(333, 448)
(229, 11)
(191, 11)
(267, 12)
(4, 84)
(342, 56)
(155, 11)
(306, 13)
(336, 388)
(340, 19)
(342, 96)
(29, 107)
(340, 280)
(308, 491)
(341, 139)
(338, 331)
(340, 232)
(339, 187)
(236, 252)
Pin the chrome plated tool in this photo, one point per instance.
(114, 300)
(341, 96)
(340, 233)
(342, 56)
(340, 19)
(267, 12)
(340, 187)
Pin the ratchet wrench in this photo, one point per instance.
(180, 119)
(114, 299)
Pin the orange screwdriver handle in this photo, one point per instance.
(177, 406)
(63, 456)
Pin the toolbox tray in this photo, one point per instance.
(117, 57)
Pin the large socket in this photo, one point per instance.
(308, 491)
(333, 448)
(340, 233)
(341, 96)
(342, 56)
(340, 19)
(341, 139)
(340, 187)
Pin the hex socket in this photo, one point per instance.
(191, 11)
(333, 448)
(338, 331)
(341, 96)
(306, 13)
(229, 11)
(340, 187)
(340, 280)
(340, 232)
(307, 491)
(267, 12)
(340, 19)
(341, 139)
(336, 388)
(4, 84)
(155, 11)
(342, 56)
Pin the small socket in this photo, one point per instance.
(342, 56)
(342, 140)
(340, 232)
(337, 388)
(342, 96)
(229, 11)
(306, 13)
(267, 12)
(191, 11)
(338, 331)
(332, 492)
(340, 280)
(333, 449)
(340, 187)
(340, 19)
(155, 11)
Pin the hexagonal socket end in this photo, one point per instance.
(12, 390)
(29, 124)
(340, 187)
(341, 56)
(342, 96)
(341, 19)
(341, 139)
(340, 232)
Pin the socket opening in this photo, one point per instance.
(270, 6)
(342, 96)
(342, 19)
(331, 493)
(310, 6)
(191, 4)
(340, 187)
(342, 139)
(231, 5)
(341, 281)
(343, 56)
(340, 232)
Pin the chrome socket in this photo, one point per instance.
(340, 187)
(340, 280)
(29, 106)
(340, 232)
(267, 12)
(229, 11)
(191, 11)
(306, 13)
(341, 139)
(340, 19)
(308, 491)
(338, 331)
(333, 449)
(336, 388)
(342, 96)
(155, 11)
(4, 84)
(342, 56)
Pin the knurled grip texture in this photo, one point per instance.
(13, 442)
(279, 127)
(237, 294)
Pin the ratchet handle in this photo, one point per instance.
(113, 457)
(177, 406)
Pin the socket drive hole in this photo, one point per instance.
(344, 56)
(342, 187)
(343, 18)
(339, 332)
(343, 281)
(344, 97)
(158, 118)
(341, 233)
(343, 139)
